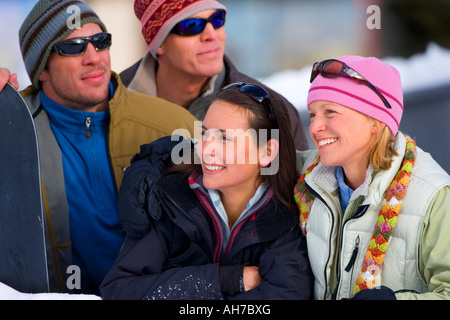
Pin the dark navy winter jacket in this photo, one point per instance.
(175, 259)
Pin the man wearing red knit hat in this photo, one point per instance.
(185, 62)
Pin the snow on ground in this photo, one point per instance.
(8, 293)
(421, 71)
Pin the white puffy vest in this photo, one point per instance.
(332, 241)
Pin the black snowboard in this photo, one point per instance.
(23, 263)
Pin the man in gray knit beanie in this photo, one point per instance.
(88, 126)
(49, 22)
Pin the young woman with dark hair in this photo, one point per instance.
(226, 227)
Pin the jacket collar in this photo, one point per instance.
(73, 120)
(144, 79)
(271, 222)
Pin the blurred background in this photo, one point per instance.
(278, 41)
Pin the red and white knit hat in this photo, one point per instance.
(158, 17)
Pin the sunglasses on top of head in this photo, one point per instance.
(78, 46)
(259, 94)
(193, 26)
(333, 68)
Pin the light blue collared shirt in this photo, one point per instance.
(345, 191)
(214, 195)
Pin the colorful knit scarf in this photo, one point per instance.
(386, 221)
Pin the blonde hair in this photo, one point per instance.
(382, 152)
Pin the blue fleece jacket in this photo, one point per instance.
(95, 228)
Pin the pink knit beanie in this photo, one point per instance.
(158, 17)
(349, 93)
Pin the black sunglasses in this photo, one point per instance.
(77, 46)
(333, 68)
(259, 94)
(193, 26)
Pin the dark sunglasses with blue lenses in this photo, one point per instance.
(193, 26)
(259, 94)
(77, 46)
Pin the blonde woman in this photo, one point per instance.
(375, 207)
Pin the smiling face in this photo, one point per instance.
(229, 153)
(342, 135)
(200, 55)
(79, 82)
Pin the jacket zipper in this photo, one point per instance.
(354, 254)
(88, 132)
(237, 228)
(360, 212)
(331, 231)
(216, 223)
(233, 235)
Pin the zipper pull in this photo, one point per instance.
(88, 132)
(354, 254)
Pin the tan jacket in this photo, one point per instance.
(135, 119)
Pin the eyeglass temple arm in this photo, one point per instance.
(356, 76)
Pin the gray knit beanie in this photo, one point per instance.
(49, 22)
